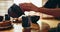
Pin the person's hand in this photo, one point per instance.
(28, 7)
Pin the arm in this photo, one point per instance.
(54, 12)
(30, 7)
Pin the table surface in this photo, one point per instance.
(18, 27)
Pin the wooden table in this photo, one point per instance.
(18, 27)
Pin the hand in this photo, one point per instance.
(28, 7)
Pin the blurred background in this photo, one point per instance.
(4, 5)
